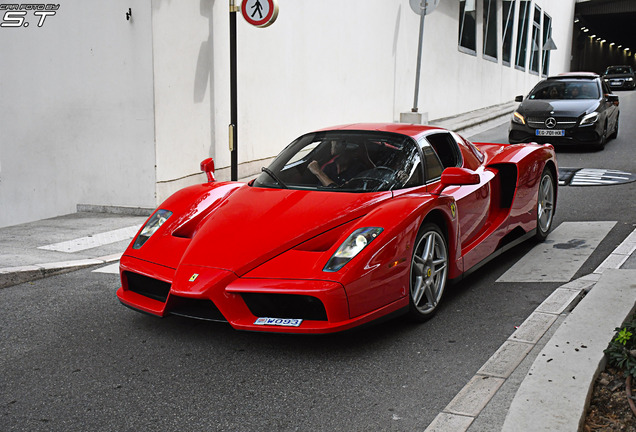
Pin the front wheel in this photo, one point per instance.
(615, 133)
(545, 204)
(429, 269)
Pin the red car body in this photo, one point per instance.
(256, 257)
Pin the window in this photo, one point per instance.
(508, 22)
(548, 44)
(446, 148)
(490, 29)
(522, 35)
(467, 26)
(433, 166)
(536, 42)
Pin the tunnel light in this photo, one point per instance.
(586, 30)
(612, 44)
(603, 41)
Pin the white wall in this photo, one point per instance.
(100, 110)
(330, 62)
(182, 37)
(76, 117)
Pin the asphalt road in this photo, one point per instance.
(73, 359)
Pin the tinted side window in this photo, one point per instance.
(606, 89)
(446, 149)
(433, 166)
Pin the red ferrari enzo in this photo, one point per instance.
(347, 225)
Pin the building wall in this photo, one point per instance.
(76, 117)
(332, 62)
(107, 111)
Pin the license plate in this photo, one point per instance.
(616, 83)
(283, 322)
(550, 132)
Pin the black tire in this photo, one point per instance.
(546, 201)
(429, 272)
(601, 144)
(614, 134)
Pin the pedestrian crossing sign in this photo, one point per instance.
(259, 13)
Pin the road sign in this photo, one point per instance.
(423, 6)
(260, 13)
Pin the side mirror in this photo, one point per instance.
(207, 166)
(454, 176)
(519, 99)
(612, 98)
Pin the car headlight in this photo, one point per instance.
(151, 227)
(591, 118)
(352, 246)
(518, 118)
(629, 79)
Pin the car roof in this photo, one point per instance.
(412, 130)
(584, 75)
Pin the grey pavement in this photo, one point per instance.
(541, 378)
(52, 246)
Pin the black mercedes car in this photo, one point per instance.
(572, 108)
(620, 77)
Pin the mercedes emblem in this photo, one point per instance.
(550, 122)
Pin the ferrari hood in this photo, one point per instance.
(253, 225)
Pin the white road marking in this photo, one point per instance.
(561, 255)
(93, 241)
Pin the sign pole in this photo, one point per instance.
(419, 60)
(233, 129)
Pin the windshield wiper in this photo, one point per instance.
(274, 176)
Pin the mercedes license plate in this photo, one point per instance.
(550, 132)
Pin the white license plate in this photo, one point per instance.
(616, 83)
(283, 322)
(550, 132)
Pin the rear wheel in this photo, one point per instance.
(429, 269)
(545, 204)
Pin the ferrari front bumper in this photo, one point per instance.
(267, 305)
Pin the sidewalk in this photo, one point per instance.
(540, 378)
(66, 243)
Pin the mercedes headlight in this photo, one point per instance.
(590, 118)
(151, 227)
(352, 246)
(518, 118)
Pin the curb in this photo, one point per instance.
(475, 118)
(10, 276)
(536, 402)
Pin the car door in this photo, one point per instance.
(473, 201)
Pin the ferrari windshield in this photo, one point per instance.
(347, 161)
(565, 89)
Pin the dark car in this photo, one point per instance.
(620, 77)
(570, 109)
